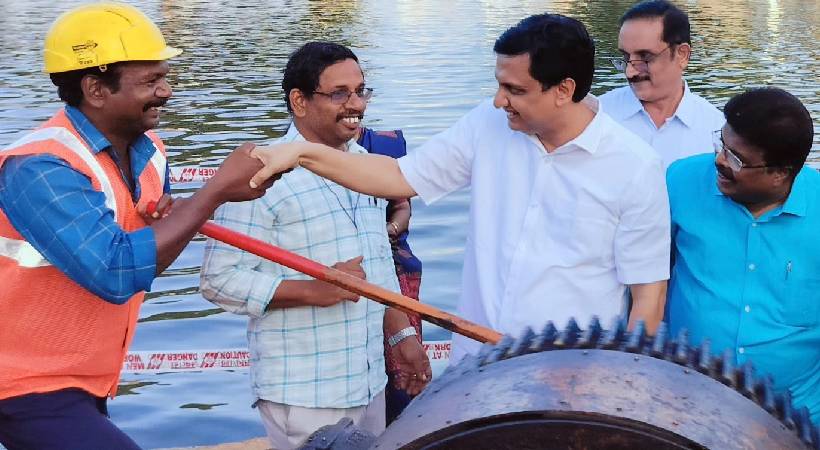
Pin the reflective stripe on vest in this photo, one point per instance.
(159, 161)
(21, 251)
(68, 140)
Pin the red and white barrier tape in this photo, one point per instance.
(232, 359)
(191, 174)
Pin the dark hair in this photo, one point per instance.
(559, 47)
(676, 28)
(774, 121)
(69, 84)
(306, 65)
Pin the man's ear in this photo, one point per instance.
(94, 91)
(682, 53)
(564, 91)
(783, 175)
(298, 102)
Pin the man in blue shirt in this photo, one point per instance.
(746, 271)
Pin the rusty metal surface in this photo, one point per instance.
(601, 390)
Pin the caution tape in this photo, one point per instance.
(231, 359)
(191, 174)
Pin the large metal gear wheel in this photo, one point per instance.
(592, 389)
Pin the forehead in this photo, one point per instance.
(513, 70)
(345, 73)
(139, 69)
(740, 146)
(641, 34)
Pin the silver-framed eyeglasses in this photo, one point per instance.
(731, 158)
(341, 96)
(640, 64)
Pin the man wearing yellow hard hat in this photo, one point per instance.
(77, 248)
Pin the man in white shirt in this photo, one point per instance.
(657, 105)
(568, 208)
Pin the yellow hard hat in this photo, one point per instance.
(103, 33)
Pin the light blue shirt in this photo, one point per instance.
(331, 357)
(687, 132)
(749, 285)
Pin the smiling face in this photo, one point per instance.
(752, 185)
(663, 75)
(521, 96)
(321, 120)
(134, 107)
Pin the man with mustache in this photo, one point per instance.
(657, 105)
(568, 208)
(76, 252)
(317, 352)
(746, 271)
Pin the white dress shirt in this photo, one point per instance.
(551, 235)
(688, 132)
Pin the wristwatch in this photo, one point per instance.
(398, 337)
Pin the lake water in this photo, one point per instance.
(429, 61)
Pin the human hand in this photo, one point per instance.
(327, 294)
(414, 366)
(280, 158)
(155, 210)
(230, 183)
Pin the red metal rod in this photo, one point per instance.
(351, 283)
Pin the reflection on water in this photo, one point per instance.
(429, 62)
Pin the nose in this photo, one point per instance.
(500, 100)
(164, 89)
(356, 102)
(630, 70)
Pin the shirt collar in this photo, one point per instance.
(293, 135)
(92, 136)
(795, 204)
(686, 111)
(590, 138)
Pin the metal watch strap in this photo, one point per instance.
(398, 337)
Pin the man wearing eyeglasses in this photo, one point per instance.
(567, 209)
(745, 225)
(317, 352)
(657, 105)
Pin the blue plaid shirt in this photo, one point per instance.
(62, 216)
(330, 357)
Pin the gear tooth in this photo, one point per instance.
(765, 395)
(569, 336)
(590, 337)
(746, 376)
(522, 344)
(704, 357)
(635, 340)
(497, 352)
(659, 343)
(613, 338)
(727, 368)
(784, 408)
(803, 423)
(544, 341)
(681, 355)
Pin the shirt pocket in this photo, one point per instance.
(801, 307)
(582, 239)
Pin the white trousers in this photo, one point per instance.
(289, 426)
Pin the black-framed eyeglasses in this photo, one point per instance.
(731, 158)
(640, 64)
(341, 96)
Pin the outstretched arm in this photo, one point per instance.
(376, 175)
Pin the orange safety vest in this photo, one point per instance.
(54, 334)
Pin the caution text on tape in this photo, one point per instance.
(227, 359)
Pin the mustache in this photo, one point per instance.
(638, 78)
(727, 173)
(155, 104)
